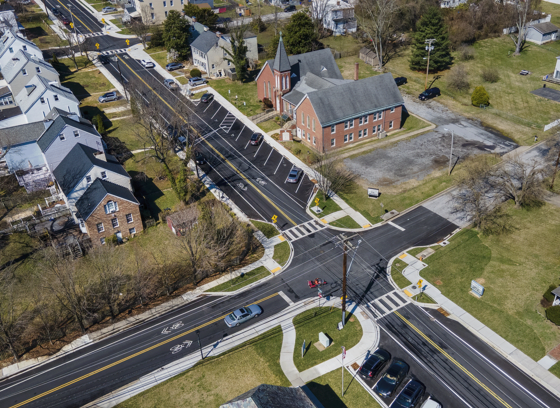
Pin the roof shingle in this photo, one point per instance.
(95, 194)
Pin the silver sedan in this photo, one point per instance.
(242, 315)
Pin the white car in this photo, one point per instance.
(108, 9)
(147, 64)
(430, 403)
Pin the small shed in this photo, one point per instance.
(556, 293)
(181, 221)
(368, 56)
(542, 33)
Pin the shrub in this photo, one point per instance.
(296, 150)
(195, 73)
(54, 59)
(548, 294)
(490, 75)
(98, 122)
(466, 52)
(267, 103)
(553, 314)
(156, 40)
(457, 78)
(257, 25)
(480, 97)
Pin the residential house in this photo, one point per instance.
(107, 209)
(556, 73)
(209, 56)
(8, 21)
(18, 146)
(40, 96)
(337, 15)
(155, 11)
(22, 67)
(11, 43)
(274, 396)
(542, 33)
(195, 28)
(10, 114)
(329, 111)
(451, 3)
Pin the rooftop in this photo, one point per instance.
(96, 193)
(26, 133)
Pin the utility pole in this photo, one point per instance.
(344, 284)
(429, 48)
(451, 154)
(343, 241)
(116, 59)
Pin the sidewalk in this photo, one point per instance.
(537, 370)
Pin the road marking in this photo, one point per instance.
(396, 226)
(270, 154)
(258, 149)
(279, 165)
(99, 370)
(248, 141)
(210, 104)
(438, 348)
(300, 182)
(215, 113)
(286, 298)
(213, 148)
(75, 16)
(289, 173)
(242, 129)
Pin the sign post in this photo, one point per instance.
(477, 289)
(127, 42)
(303, 348)
(343, 355)
(373, 193)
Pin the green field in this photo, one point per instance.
(327, 389)
(328, 207)
(267, 229)
(242, 95)
(241, 281)
(282, 253)
(345, 222)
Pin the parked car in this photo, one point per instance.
(103, 59)
(524, 72)
(172, 132)
(294, 175)
(223, 20)
(256, 139)
(207, 97)
(430, 403)
(197, 81)
(108, 97)
(401, 81)
(199, 158)
(55, 11)
(410, 395)
(108, 9)
(289, 9)
(64, 20)
(147, 64)
(242, 315)
(392, 378)
(170, 84)
(375, 363)
(173, 66)
(429, 94)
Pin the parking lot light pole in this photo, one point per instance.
(199, 345)
(451, 154)
(429, 48)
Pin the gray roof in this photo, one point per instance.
(349, 100)
(22, 134)
(8, 39)
(41, 84)
(205, 41)
(545, 28)
(4, 90)
(58, 125)
(556, 291)
(271, 396)
(78, 162)
(311, 83)
(10, 113)
(96, 193)
(196, 29)
(281, 61)
(19, 60)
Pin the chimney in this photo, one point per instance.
(356, 71)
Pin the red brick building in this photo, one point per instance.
(330, 112)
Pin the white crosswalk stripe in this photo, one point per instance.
(89, 35)
(388, 303)
(228, 122)
(112, 52)
(303, 230)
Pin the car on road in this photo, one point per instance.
(256, 139)
(410, 395)
(199, 158)
(108, 9)
(430, 403)
(374, 363)
(429, 94)
(108, 97)
(197, 81)
(289, 9)
(64, 20)
(207, 97)
(55, 11)
(294, 175)
(173, 66)
(170, 84)
(103, 59)
(401, 81)
(242, 315)
(392, 378)
(147, 64)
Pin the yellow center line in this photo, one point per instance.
(504, 403)
(212, 147)
(75, 16)
(83, 377)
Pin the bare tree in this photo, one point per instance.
(554, 157)
(142, 283)
(331, 174)
(377, 21)
(141, 29)
(319, 10)
(523, 10)
(519, 180)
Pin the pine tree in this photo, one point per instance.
(300, 34)
(431, 25)
(237, 55)
(480, 97)
(176, 34)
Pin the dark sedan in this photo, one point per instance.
(173, 66)
(103, 59)
(256, 139)
(55, 11)
(207, 97)
(64, 20)
(289, 9)
(401, 81)
(409, 396)
(394, 375)
(429, 94)
(374, 364)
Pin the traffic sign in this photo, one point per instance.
(317, 201)
(71, 25)
(419, 284)
(103, 21)
(97, 45)
(127, 41)
(274, 218)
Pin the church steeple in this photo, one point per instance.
(281, 61)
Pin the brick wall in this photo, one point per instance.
(265, 77)
(99, 216)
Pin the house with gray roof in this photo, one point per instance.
(542, 33)
(274, 396)
(23, 66)
(8, 20)
(11, 43)
(18, 147)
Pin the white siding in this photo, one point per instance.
(58, 150)
(81, 187)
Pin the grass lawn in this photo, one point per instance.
(264, 38)
(241, 281)
(348, 64)
(345, 222)
(124, 130)
(118, 22)
(323, 319)
(515, 269)
(37, 30)
(85, 81)
(245, 92)
(423, 298)
(269, 125)
(303, 152)
(327, 389)
(328, 206)
(281, 253)
(267, 229)
(217, 380)
(343, 43)
(555, 369)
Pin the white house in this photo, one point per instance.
(542, 33)
(8, 19)
(451, 3)
(338, 16)
(556, 73)
(40, 96)
(19, 149)
(22, 67)
(11, 43)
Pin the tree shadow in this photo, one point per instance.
(35, 32)
(326, 395)
(147, 192)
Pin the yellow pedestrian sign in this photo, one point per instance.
(419, 284)
(274, 218)
(71, 25)
(97, 45)
(127, 41)
(103, 21)
(317, 201)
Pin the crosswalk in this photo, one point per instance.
(388, 303)
(228, 122)
(303, 230)
(112, 52)
(89, 35)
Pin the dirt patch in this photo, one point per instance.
(555, 352)
(438, 282)
(482, 281)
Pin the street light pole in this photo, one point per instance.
(199, 345)
(429, 48)
(116, 58)
(74, 27)
(344, 284)
(451, 154)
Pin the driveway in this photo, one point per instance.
(416, 158)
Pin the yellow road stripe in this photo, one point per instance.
(213, 148)
(75, 16)
(83, 377)
(453, 360)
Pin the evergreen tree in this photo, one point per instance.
(300, 35)
(480, 97)
(431, 25)
(203, 16)
(272, 47)
(176, 34)
(237, 55)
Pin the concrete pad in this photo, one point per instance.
(408, 259)
(470, 320)
(271, 265)
(547, 362)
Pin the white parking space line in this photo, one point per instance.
(258, 149)
(240, 133)
(300, 182)
(270, 154)
(215, 113)
(279, 165)
(248, 141)
(288, 174)
(210, 104)
(396, 226)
